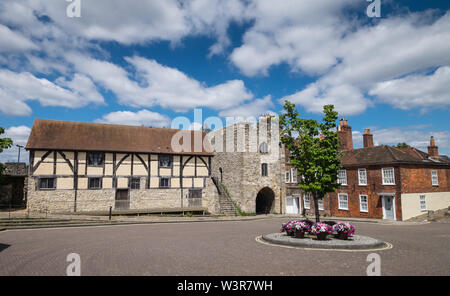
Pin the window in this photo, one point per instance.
(95, 158)
(423, 203)
(320, 203)
(94, 183)
(165, 161)
(264, 148)
(47, 183)
(342, 177)
(135, 183)
(362, 177)
(287, 177)
(364, 203)
(164, 182)
(294, 175)
(343, 201)
(264, 170)
(388, 176)
(434, 178)
(306, 201)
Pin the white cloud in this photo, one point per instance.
(422, 91)
(19, 135)
(142, 117)
(252, 109)
(13, 41)
(347, 99)
(348, 57)
(415, 136)
(161, 85)
(16, 88)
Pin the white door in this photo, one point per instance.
(289, 205)
(388, 208)
(292, 205)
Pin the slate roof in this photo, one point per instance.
(384, 154)
(83, 136)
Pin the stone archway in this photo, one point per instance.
(265, 201)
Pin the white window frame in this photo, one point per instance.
(306, 204)
(320, 204)
(423, 202)
(294, 175)
(359, 177)
(345, 177)
(434, 178)
(287, 177)
(384, 178)
(361, 203)
(339, 201)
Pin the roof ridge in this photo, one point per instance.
(390, 151)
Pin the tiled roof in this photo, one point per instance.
(82, 136)
(388, 155)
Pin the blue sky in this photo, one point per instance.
(147, 62)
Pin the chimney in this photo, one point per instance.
(433, 149)
(345, 135)
(367, 139)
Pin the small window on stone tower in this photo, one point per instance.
(264, 170)
(263, 148)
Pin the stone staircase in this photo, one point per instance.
(227, 207)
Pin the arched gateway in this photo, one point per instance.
(265, 201)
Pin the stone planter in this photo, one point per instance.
(322, 236)
(299, 234)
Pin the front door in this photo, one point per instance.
(292, 205)
(122, 200)
(388, 208)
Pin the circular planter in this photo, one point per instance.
(322, 236)
(343, 235)
(299, 234)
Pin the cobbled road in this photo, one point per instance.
(216, 248)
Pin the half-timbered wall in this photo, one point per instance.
(71, 173)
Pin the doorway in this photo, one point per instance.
(293, 204)
(264, 201)
(122, 201)
(388, 207)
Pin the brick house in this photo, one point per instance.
(387, 182)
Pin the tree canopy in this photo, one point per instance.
(313, 148)
(5, 143)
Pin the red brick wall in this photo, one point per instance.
(372, 189)
(417, 179)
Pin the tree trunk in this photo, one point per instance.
(316, 207)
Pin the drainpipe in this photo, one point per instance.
(281, 179)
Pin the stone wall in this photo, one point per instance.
(59, 201)
(241, 168)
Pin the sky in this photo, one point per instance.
(141, 62)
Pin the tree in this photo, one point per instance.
(402, 145)
(313, 150)
(5, 143)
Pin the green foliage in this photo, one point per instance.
(5, 143)
(402, 145)
(313, 150)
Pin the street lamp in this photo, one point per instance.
(18, 158)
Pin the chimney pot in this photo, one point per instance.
(433, 149)
(367, 139)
